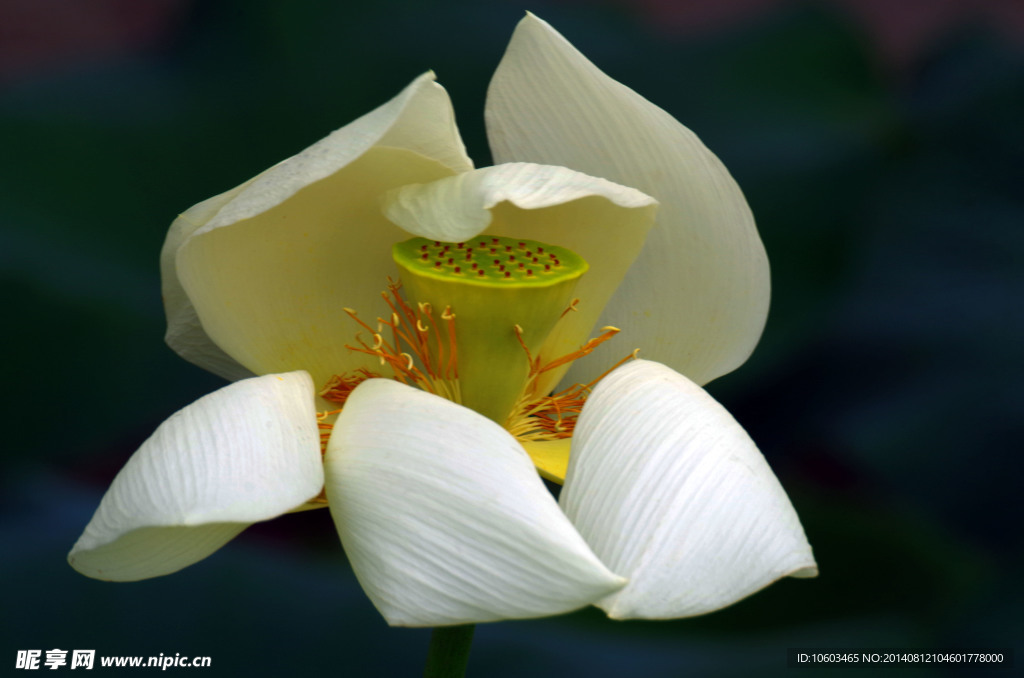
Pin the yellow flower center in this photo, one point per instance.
(501, 298)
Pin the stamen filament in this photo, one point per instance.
(422, 364)
(553, 417)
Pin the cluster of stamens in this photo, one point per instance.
(553, 417)
(418, 351)
(421, 354)
(496, 282)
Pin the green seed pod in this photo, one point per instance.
(492, 284)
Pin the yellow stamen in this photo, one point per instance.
(551, 417)
(413, 356)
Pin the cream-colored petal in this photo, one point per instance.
(270, 266)
(697, 296)
(457, 208)
(444, 518)
(671, 492)
(245, 453)
(603, 222)
(185, 333)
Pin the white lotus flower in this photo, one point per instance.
(668, 508)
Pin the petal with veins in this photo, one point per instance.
(245, 453)
(457, 208)
(444, 518)
(697, 296)
(670, 491)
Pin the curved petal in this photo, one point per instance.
(603, 222)
(697, 296)
(269, 266)
(185, 334)
(443, 517)
(457, 208)
(245, 453)
(670, 491)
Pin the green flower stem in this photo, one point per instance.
(449, 651)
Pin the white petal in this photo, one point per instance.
(245, 453)
(444, 518)
(603, 222)
(697, 296)
(671, 492)
(270, 265)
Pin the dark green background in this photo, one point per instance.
(886, 393)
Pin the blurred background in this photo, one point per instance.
(880, 146)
